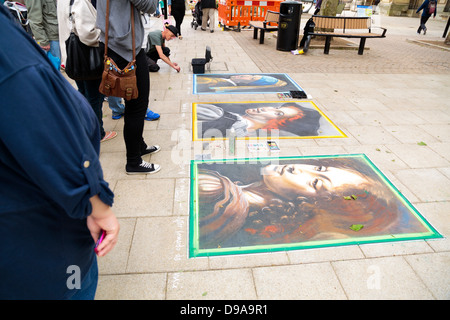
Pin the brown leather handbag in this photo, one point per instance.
(117, 82)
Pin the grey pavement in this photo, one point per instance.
(387, 101)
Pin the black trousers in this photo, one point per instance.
(135, 109)
(155, 56)
(423, 20)
(178, 14)
(89, 89)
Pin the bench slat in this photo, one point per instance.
(342, 22)
(349, 35)
(272, 16)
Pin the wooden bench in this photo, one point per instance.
(345, 27)
(270, 23)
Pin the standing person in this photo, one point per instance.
(81, 16)
(54, 200)
(157, 49)
(428, 8)
(44, 24)
(318, 5)
(208, 10)
(178, 11)
(163, 9)
(63, 28)
(121, 51)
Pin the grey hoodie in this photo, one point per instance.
(119, 36)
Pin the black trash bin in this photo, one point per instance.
(289, 25)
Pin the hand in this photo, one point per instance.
(46, 48)
(103, 218)
(176, 67)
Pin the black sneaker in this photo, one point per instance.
(152, 149)
(143, 168)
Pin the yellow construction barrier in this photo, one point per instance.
(239, 13)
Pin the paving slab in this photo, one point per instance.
(381, 278)
(309, 281)
(212, 285)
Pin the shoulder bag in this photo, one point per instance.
(117, 82)
(83, 62)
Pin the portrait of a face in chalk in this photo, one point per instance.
(273, 204)
(244, 83)
(286, 119)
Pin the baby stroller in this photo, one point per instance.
(19, 11)
(196, 9)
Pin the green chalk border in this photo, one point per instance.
(195, 251)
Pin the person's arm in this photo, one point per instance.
(146, 6)
(421, 7)
(64, 170)
(166, 59)
(34, 14)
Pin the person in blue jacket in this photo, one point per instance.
(54, 202)
(429, 8)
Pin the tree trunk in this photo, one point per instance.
(329, 8)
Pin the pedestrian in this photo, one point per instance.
(164, 10)
(178, 10)
(81, 17)
(157, 49)
(54, 199)
(428, 8)
(63, 28)
(208, 10)
(44, 25)
(309, 28)
(318, 5)
(121, 51)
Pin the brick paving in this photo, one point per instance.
(393, 54)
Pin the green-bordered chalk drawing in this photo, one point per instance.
(290, 203)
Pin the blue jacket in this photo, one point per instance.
(49, 169)
(424, 7)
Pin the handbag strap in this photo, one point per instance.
(70, 15)
(132, 29)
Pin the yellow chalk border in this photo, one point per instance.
(194, 121)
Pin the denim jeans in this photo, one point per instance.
(89, 285)
(423, 21)
(116, 105)
(54, 49)
(89, 89)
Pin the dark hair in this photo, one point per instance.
(173, 29)
(306, 123)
